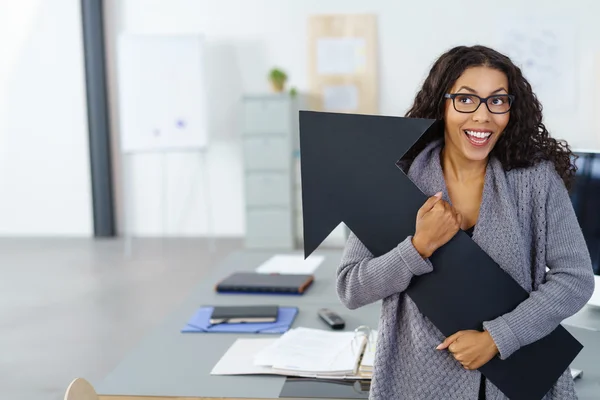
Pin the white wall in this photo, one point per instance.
(247, 37)
(44, 164)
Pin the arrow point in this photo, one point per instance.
(315, 235)
(339, 150)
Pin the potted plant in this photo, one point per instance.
(278, 79)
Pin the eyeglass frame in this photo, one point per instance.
(511, 98)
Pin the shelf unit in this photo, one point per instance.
(270, 148)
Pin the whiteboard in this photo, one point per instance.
(162, 92)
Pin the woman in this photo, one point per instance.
(498, 175)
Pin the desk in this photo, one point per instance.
(169, 363)
(588, 318)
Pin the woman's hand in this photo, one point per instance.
(437, 223)
(472, 349)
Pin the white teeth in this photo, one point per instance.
(481, 135)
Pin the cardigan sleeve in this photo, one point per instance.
(569, 282)
(363, 279)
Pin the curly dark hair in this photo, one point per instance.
(525, 140)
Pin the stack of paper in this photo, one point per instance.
(368, 358)
(313, 352)
(300, 352)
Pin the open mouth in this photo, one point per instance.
(478, 138)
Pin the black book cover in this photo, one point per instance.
(253, 282)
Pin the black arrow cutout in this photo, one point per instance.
(350, 174)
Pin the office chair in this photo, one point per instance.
(80, 389)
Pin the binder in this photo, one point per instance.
(303, 352)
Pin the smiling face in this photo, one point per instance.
(472, 136)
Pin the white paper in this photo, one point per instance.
(302, 342)
(313, 351)
(340, 98)
(544, 49)
(238, 360)
(341, 55)
(290, 264)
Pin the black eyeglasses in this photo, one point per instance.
(469, 103)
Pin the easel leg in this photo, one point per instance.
(165, 189)
(126, 206)
(209, 217)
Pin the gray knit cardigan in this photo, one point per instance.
(526, 223)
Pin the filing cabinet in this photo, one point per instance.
(270, 146)
(267, 114)
(268, 189)
(266, 152)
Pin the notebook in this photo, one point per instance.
(301, 352)
(241, 314)
(253, 282)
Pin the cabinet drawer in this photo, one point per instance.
(266, 116)
(269, 228)
(267, 153)
(268, 189)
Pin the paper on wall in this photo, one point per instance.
(290, 264)
(340, 98)
(545, 51)
(344, 55)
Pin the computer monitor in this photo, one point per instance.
(585, 196)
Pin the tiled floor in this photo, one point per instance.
(73, 307)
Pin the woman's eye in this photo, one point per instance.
(465, 99)
(497, 101)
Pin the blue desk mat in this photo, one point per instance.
(200, 323)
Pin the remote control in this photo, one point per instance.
(331, 318)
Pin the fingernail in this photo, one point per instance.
(438, 194)
(438, 347)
